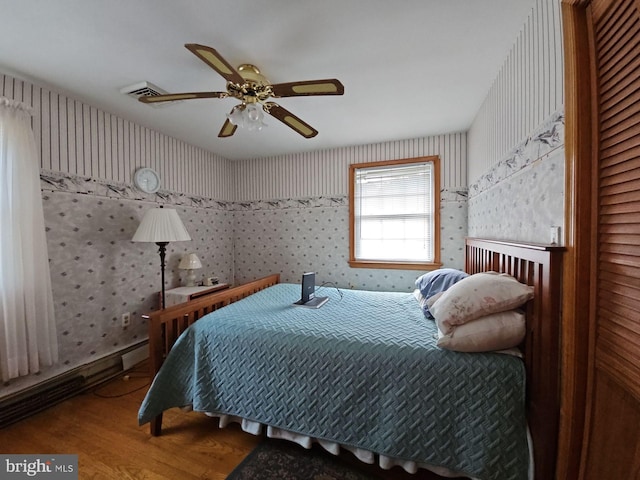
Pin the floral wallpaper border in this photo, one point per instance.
(62, 182)
(548, 137)
(446, 195)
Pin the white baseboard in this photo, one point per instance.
(134, 357)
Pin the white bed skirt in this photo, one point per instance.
(305, 441)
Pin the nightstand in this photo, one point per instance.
(178, 295)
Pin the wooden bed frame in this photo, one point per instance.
(541, 267)
(165, 326)
(537, 265)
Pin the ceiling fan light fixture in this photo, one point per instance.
(249, 116)
(236, 116)
(253, 90)
(253, 118)
(253, 113)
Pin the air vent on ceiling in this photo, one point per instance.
(146, 89)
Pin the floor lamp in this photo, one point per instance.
(161, 226)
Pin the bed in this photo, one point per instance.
(363, 372)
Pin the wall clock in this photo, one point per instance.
(147, 180)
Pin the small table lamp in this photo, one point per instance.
(190, 262)
(161, 225)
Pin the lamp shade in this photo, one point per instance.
(190, 261)
(161, 225)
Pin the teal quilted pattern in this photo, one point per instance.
(363, 370)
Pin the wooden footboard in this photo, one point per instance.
(541, 267)
(165, 326)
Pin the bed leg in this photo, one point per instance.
(156, 425)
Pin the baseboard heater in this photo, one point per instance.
(37, 402)
(46, 394)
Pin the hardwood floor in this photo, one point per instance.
(101, 428)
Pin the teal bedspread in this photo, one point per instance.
(363, 370)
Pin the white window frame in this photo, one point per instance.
(434, 215)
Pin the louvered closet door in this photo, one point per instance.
(614, 442)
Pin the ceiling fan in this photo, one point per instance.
(248, 85)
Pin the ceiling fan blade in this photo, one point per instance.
(212, 58)
(289, 119)
(170, 97)
(329, 86)
(227, 129)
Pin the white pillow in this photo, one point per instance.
(498, 331)
(476, 296)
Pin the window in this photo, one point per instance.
(394, 211)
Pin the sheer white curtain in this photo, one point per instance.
(27, 324)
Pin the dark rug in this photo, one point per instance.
(283, 460)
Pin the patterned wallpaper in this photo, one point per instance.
(516, 142)
(301, 199)
(528, 89)
(312, 234)
(325, 173)
(522, 196)
(98, 273)
(75, 138)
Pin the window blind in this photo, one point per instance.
(394, 213)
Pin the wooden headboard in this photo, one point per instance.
(541, 267)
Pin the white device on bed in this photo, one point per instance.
(308, 298)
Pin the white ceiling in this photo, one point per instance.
(410, 68)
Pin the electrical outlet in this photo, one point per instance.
(126, 319)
